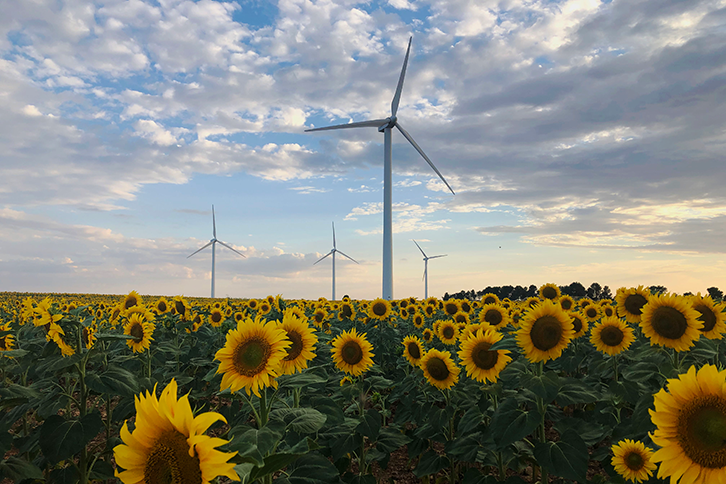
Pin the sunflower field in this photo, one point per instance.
(144, 389)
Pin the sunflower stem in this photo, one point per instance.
(263, 409)
(296, 397)
(615, 367)
(542, 408)
(148, 363)
(252, 406)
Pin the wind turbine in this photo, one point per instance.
(212, 243)
(426, 268)
(333, 251)
(385, 126)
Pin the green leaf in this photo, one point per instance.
(244, 470)
(430, 463)
(330, 409)
(390, 440)
(18, 469)
(299, 380)
(273, 463)
(545, 386)
(370, 424)
(566, 458)
(575, 391)
(473, 476)
(55, 363)
(311, 469)
(113, 336)
(589, 430)
(301, 420)
(511, 423)
(65, 475)
(640, 372)
(61, 438)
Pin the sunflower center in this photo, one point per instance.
(549, 292)
(250, 358)
(707, 316)
(493, 317)
(482, 357)
(137, 331)
(634, 461)
(297, 345)
(448, 332)
(591, 312)
(347, 311)
(669, 322)
(414, 350)
(351, 353)
(546, 333)
(451, 309)
(319, 316)
(130, 302)
(566, 304)
(180, 308)
(428, 335)
(634, 303)
(418, 321)
(702, 431)
(608, 311)
(437, 369)
(460, 318)
(429, 310)
(162, 306)
(169, 461)
(216, 317)
(611, 335)
(577, 324)
(379, 308)
(489, 300)
(465, 307)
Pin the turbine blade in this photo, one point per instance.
(437, 256)
(373, 123)
(333, 235)
(196, 252)
(323, 257)
(419, 248)
(420, 151)
(214, 224)
(233, 250)
(346, 255)
(399, 88)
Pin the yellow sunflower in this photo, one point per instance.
(579, 324)
(264, 307)
(252, 304)
(216, 318)
(710, 315)
(631, 301)
(671, 321)
(495, 315)
(251, 355)
(403, 313)
(531, 302)
(691, 427)
(439, 369)
(612, 336)
(481, 363)
(461, 317)
(239, 316)
(303, 340)
(566, 302)
(352, 353)
(346, 311)
(608, 310)
(319, 317)
(451, 307)
(448, 332)
(591, 312)
(181, 307)
(132, 299)
(418, 320)
(428, 335)
(429, 310)
(633, 460)
(379, 309)
(545, 332)
(489, 298)
(432, 301)
(466, 307)
(141, 330)
(168, 443)
(550, 291)
(161, 306)
(413, 349)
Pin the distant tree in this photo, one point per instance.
(446, 296)
(518, 293)
(506, 291)
(576, 290)
(532, 291)
(715, 293)
(594, 291)
(606, 294)
(688, 294)
(657, 290)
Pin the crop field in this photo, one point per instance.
(146, 389)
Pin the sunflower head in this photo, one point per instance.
(579, 323)
(447, 331)
(631, 301)
(671, 321)
(494, 315)
(489, 298)
(549, 291)
(141, 331)
(379, 309)
(612, 336)
(545, 332)
(131, 299)
(481, 363)
(591, 312)
(633, 460)
(461, 317)
(710, 315)
(566, 302)
(439, 369)
(427, 335)
(413, 349)
(302, 347)
(352, 353)
(451, 307)
(418, 320)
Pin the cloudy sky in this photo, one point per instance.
(585, 141)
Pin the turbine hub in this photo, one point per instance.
(391, 122)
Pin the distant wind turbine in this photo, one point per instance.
(385, 126)
(332, 252)
(426, 268)
(212, 243)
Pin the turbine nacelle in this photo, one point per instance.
(391, 123)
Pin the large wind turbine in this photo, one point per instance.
(385, 126)
(332, 252)
(212, 243)
(426, 268)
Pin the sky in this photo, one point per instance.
(584, 139)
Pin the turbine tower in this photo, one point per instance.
(426, 268)
(332, 252)
(212, 243)
(385, 126)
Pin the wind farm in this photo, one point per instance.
(426, 268)
(332, 253)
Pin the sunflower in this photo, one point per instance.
(132, 299)
(531, 302)
(671, 321)
(403, 313)
(448, 332)
(515, 316)
(545, 332)
(141, 330)
(251, 356)
(481, 363)
(429, 310)
(252, 304)
(428, 335)
(591, 312)
(584, 302)
(495, 315)
(631, 301)
(608, 310)
(264, 307)
(217, 305)
(550, 291)
(633, 460)
(216, 318)
(168, 443)
(352, 353)
(89, 335)
(379, 309)
(489, 298)
(439, 369)
(303, 340)
(319, 316)
(181, 307)
(346, 311)
(239, 316)
(461, 318)
(413, 349)
(432, 301)
(7, 342)
(451, 307)
(691, 427)
(579, 323)
(712, 318)
(346, 380)
(566, 302)
(418, 320)
(466, 307)
(612, 336)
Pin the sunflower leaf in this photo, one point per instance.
(370, 424)
(311, 468)
(17, 469)
(511, 423)
(567, 458)
(301, 420)
(546, 386)
(430, 463)
(273, 463)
